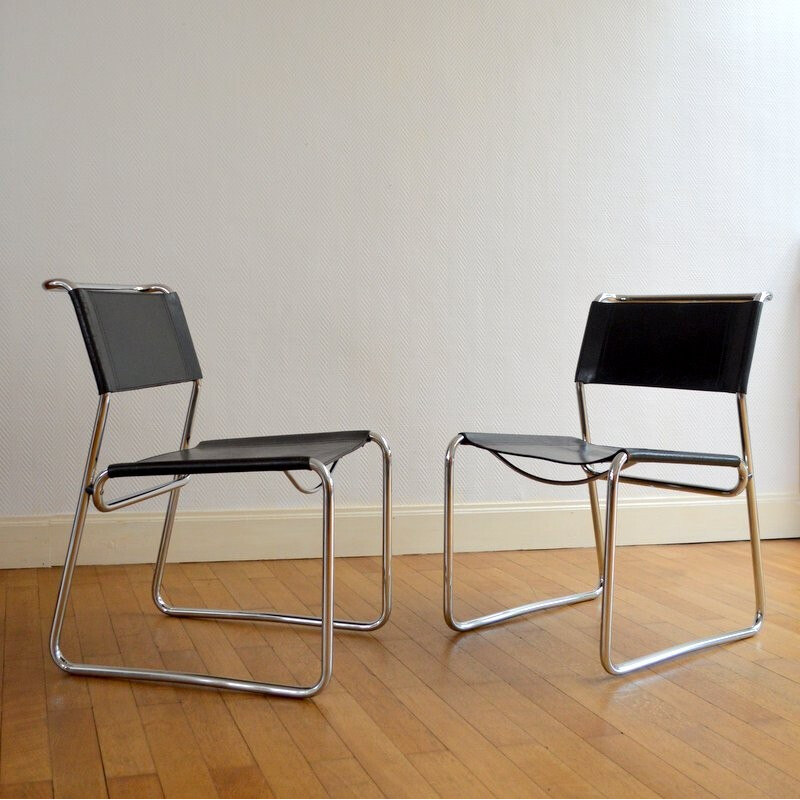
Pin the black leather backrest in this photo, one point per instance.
(135, 339)
(671, 345)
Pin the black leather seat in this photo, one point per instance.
(571, 450)
(253, 454)
(137, 337)
(701, 343)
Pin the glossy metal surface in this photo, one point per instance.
(752, 514)
(97, 491)
(605, 535)
(742, 470)
(594, 504)
(295, 619)
(77, 532)
(62, 284)
(172, 505)
(758, 297)
(590, 477)
(606, 627)
(299, 486)
(134, 673)
(449, 564)
(696, 488)
(91, 487)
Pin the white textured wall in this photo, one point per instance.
(389, 214)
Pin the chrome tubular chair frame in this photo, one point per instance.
(449, 560)
(746, 482)
(93, 486)
(258, 616)
(605, 531)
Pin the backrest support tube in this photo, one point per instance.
(65, 285)
(758, 297)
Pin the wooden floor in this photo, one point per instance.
(413, 710)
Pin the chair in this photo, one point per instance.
(137, 337)
(702, 342)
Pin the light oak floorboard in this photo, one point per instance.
(414, 709)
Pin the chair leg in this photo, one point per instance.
(292, 619)
(449, 562)
(76, 535)
(606, 625)
(213, 681)
(597, 528)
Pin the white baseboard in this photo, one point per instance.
(295, 533)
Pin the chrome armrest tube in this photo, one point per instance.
(678, 486)
(98, 487)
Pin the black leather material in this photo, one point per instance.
(135, 339)
(571, 450)
(256, 454)
(559, 449)
(683, 345)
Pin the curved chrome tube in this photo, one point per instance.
(741, 484)
(386, 533)
(758, 297)
(606, 547)
(449, 565)
(752, 514)
(55, 284)
(592, 476)
(190, 678)
(172, 505)
(76, 533)
(62, 284)
(153, 288)
(97, 489)
(297, 485)
(696, 488)
(650, 659)
(296, 619)
(594, 504)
